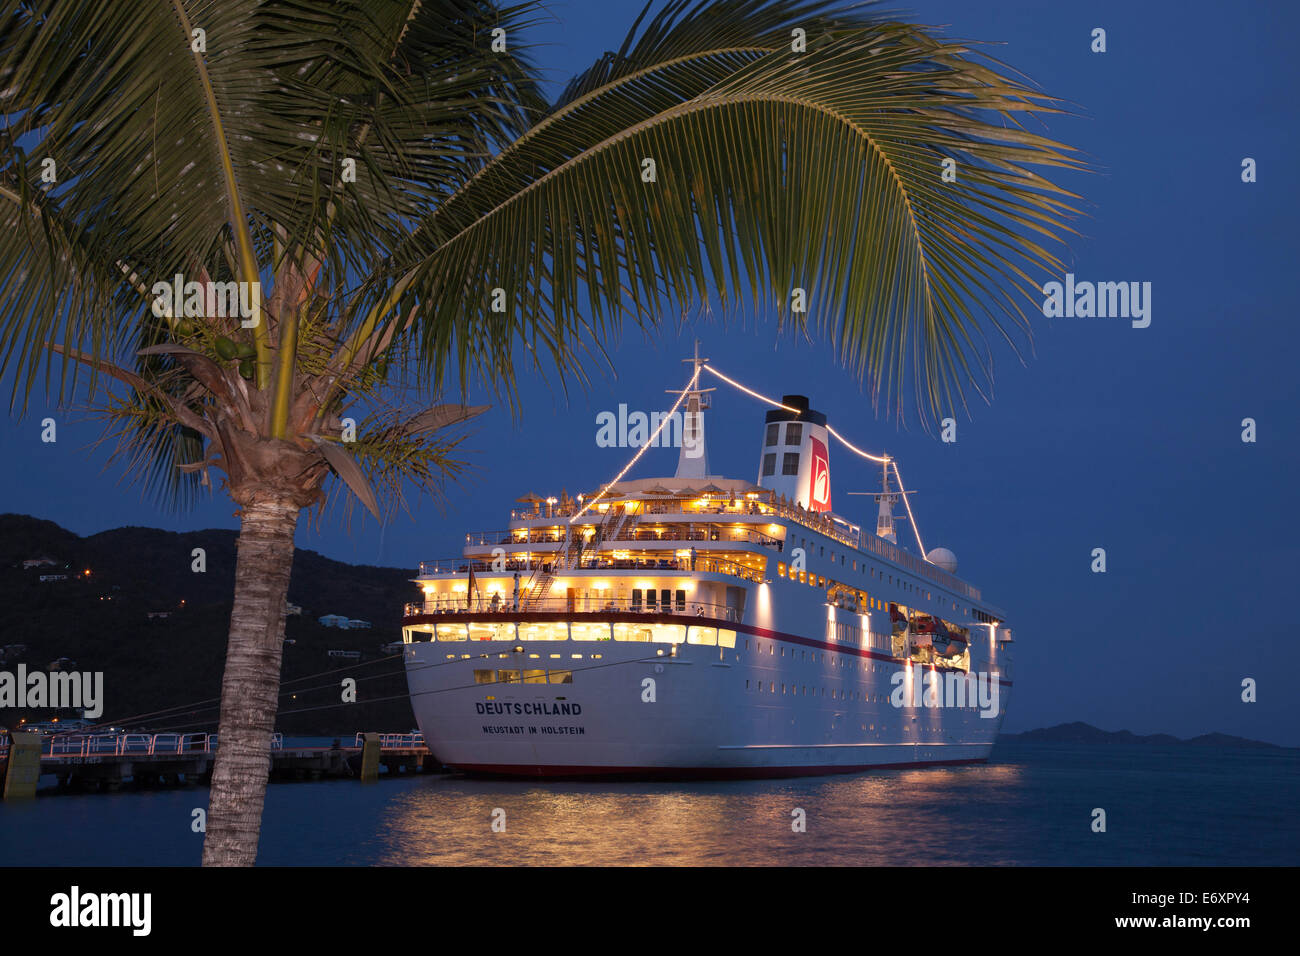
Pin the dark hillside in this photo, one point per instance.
(101, 620)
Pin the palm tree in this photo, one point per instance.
(423, 221)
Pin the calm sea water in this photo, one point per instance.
(1032, 805)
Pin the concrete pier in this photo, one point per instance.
(106, 763)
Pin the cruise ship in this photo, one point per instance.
(705, 627)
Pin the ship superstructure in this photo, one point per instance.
(705, 626)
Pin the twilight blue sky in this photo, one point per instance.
(1127, 439)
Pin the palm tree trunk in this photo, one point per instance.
(251, 685)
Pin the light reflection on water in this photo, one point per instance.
(854, 820)
(1032, 806)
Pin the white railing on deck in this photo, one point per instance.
(577, 607)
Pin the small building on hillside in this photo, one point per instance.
(334, 620)
(41, 561)
(356, 624)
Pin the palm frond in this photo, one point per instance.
(776, 171)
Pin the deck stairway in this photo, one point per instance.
(577, 549)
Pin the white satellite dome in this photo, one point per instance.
(944, 559)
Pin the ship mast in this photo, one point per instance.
(885, 514)
(693, 460)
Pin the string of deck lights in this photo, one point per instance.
(879, 459)
(649, 441)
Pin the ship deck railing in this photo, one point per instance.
(577, 608)
(703, 564)
(820, 522)
(517, 536)
(718, 506)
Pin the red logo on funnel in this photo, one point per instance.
(819, 478)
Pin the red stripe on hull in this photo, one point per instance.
(692, 773)
(639, 617)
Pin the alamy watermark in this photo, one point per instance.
(947, 689)
(76, 908)
(626, 429)
(1102, 300)
(80, 690)
(241, 300)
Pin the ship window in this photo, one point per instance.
(632, 632)
(769, 464)
(790, 463)
(667, 633)
(544, 631)
(561, 677)
(726, 638)
(636, 599)
(793, 434)
(534, 677)
(591, 632)
(681, 600)
(484, 676)
(508, 677)
(772, 687)
(702, 635)
(650, 601)
(452, 632)
(773, 430)
(666, 598)
(491, 631)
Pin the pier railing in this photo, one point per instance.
(394, 741)
(126, 745)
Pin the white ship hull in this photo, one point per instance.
(748, 711)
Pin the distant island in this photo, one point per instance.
(1081, 733)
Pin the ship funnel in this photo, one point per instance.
(795, 460)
